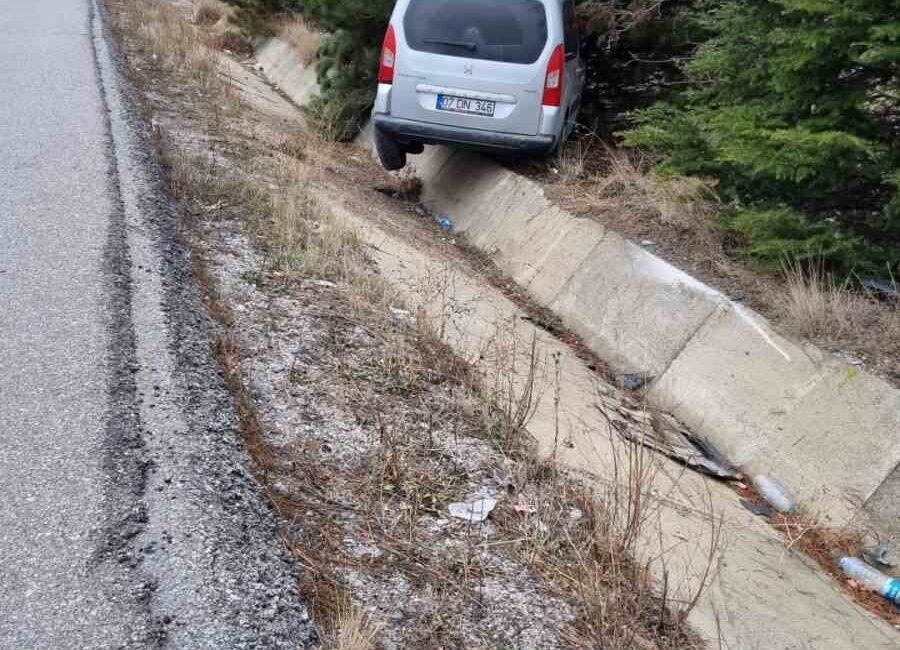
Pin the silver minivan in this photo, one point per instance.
(498, 75)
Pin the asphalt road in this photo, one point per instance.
(128, 514)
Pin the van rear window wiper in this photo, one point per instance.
(465, 44)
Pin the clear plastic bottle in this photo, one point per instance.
(872, 578)
(775, 494)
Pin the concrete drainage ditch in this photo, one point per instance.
(774, 406)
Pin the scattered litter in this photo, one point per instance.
(648, 242)
(759, 509)
(775, 493)
(400, 316)
(664, 433)
(882, 289)
(474, 512)
(872, 579)
(881, 557)
(849, 359)
(522, 506)
(635, 380)
(325, 283)
(444, 222)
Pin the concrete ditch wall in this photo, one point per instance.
(827, 430)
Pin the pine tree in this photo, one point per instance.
(794, 105)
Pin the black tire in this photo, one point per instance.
(390, 154)
(414, 148)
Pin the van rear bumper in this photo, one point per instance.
(427, 133)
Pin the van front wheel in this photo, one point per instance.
(389, 152)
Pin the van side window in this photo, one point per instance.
(571, 28)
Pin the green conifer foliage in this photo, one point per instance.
(794, 105)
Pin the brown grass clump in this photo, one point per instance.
(819, 307)
(622, 185)
(303, 39)
(686, 203)
(232, 41)
(585, 542)
(353, 630)
(207, 12)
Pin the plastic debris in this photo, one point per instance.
(635, 380)
(664, 433)
(871, 578)
(444, 222)
(775, 494)
(474, 512)
(881, 556)
(522, 506)
(759, 509)
(882, 289)
(400, 316)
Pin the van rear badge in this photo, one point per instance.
(468, 69)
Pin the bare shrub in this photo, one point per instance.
(232, 41)
(207, 12)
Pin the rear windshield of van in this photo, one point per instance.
(513, 31)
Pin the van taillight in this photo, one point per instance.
(553, 86)
(388, 57)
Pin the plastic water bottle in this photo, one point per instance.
(775, 494)
(872, 578)
(445, 223)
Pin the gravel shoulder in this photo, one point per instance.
(185, 516)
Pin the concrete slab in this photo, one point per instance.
(633, 310)
(826, 429)
(283, 68)
(882, 509)
(572, 245)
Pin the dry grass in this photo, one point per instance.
(179, 45)
(573, 160)
(208, 12)
(622, 185)
(817, 306)
(303, 39)
(686, 203)
(826, 546)
(231, 40)
(353, 630)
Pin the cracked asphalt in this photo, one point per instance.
(129, 517)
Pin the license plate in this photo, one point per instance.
(466, 105)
